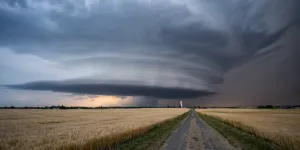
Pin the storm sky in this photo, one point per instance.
(230, 51)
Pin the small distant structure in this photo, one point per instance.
(181, 106)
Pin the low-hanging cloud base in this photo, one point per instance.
(111, 89)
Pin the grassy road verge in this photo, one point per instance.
(149, 137)
(155, 138)
(239, 137)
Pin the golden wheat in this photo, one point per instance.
(50, 129)
(280, 126)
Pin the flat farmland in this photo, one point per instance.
(50, 129)
(278, 125)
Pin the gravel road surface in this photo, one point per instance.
(195, 134)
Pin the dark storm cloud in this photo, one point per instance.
(272, 77)
(168, 49)
(115, 89)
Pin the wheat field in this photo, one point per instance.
(279, 125)
(50, 129)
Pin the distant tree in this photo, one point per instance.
(260, 106)
(12, 107)
(62, 107)
(269, 106)
(266, 107)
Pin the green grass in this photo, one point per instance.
(155, 138)
(149, 137)
(238, 137)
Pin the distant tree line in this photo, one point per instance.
(46, 107)
(267, 106)
(276, 107)
(80, 107)
(259, 107)
(168, 106)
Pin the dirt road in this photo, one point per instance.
(195, 134)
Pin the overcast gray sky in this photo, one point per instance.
(171, 49)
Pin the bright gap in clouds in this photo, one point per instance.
(22, 98)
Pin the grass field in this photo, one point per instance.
(51, 129)
(278, 125)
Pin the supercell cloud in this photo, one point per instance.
(168, 49)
